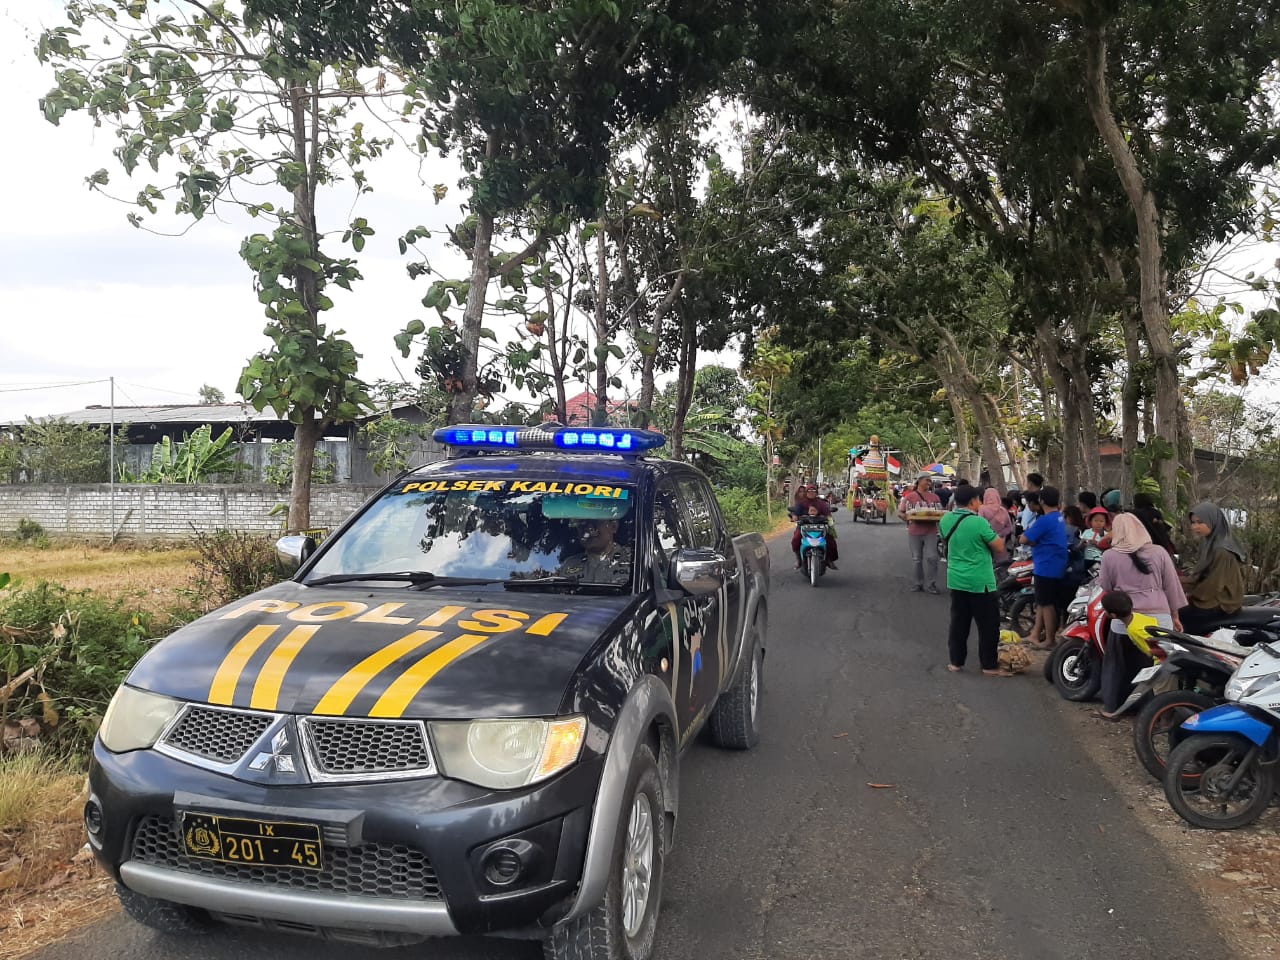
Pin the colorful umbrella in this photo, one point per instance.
(941, 468)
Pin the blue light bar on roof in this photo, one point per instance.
(626, 442)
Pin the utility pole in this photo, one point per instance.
(111, 462)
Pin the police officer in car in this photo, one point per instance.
(604, 560)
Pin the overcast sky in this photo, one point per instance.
(85, 296)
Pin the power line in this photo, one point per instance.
(50, 386)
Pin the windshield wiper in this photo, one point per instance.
(415, 577)
(551, 581)
(574, 583)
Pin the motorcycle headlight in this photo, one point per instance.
(1238, 687)
(135, 719)
(504, 754)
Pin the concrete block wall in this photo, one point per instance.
(166, 511)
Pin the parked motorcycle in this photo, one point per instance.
(1222, 775)
(813, 547)
(1199, 667)
(1017, 593)
(1075, 666)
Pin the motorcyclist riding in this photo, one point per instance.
(814, 506)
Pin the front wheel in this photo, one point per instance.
(1214, 781)
(1158, 727)
(624, 924)
(1077, 671)
(815, 562)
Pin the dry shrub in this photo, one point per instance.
(230, 565)
(40, 827)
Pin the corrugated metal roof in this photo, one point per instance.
(170, 413)
(195, 413)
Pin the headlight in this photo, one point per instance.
(1238, 688)
(503, 754)
(135, 718)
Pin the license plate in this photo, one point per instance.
(1145, 675)
(268, 843)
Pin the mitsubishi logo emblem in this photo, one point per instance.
(279, 759)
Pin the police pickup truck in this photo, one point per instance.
(464, 714)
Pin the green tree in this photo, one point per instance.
(529, 96)
(211, 395)
(198, 94)
(55, 450)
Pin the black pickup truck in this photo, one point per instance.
(464, 714)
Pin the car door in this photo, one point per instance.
(683, 617)
(711, 656)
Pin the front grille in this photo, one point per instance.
(392, 871)
(221, 735)
(356, 748)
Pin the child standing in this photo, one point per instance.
(1096, 537)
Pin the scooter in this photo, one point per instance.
(1017, 593)
(1222, 775)
(1198, 668)
(813, 547)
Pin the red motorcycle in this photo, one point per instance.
(1075, 666)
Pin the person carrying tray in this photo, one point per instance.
(921, 508)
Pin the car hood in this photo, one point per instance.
(350, 650)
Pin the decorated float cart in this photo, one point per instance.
(870, 494)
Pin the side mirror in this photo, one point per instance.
(698, 570)
(292, 552)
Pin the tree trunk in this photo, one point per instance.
(600, 412)
(687, 371)
(307, 288)
(1129, 404)
(305, 437)
(649, 359)
(463, 400)
(554, 347)
(1155, 316)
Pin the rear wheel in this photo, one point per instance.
(1077, 671)
(735, 721)
(1214, 781)
(1158, 727)
(1022, 614)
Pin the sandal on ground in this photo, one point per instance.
(953, 668)
(1103, 715)
(997, 673)
(1041, 644)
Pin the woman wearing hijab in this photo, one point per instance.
(995, 513)
(1145, 573)
(1216, 585)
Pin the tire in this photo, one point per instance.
(1077, 671)
(174, 919)
(1199, 769)
(1022, 614)
(1155, 731)
(815, 567)
(610, 931)
(735, 720)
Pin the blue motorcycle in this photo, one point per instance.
(1222, 776)
(813, 547)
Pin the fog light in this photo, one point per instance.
(506, 863)
(93, 818)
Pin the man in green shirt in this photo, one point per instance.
(971, 578)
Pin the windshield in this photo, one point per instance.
(492, 529)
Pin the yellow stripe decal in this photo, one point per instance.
(400, 694)
(349, 685)
(266, 692)
(223, 688)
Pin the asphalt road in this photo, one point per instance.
(997, 838)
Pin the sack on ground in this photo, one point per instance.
(1014, 658)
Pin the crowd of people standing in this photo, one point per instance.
(1132, 546)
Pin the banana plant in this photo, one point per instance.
(198, 458)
